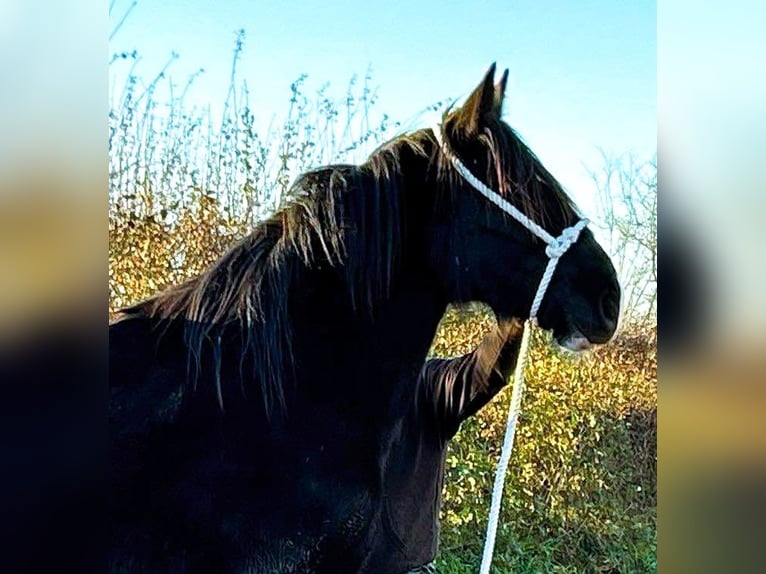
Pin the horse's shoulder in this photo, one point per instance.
(146, 379)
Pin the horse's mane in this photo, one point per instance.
(516, 173)
(245, 293)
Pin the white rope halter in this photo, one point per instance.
(557, 246)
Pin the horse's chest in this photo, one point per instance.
(299, 504)
(327, 546)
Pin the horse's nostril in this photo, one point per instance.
(609, 306)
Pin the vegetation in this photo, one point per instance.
(581, 490)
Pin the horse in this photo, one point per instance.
(254, 409)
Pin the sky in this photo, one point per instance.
(582, 74)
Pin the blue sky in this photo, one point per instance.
(582, 74)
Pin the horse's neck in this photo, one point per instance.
(373, 356)
(348, 315)
(403, 327)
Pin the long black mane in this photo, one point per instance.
(347, 218)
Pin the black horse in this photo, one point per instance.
(257, 409)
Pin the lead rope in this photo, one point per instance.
(556, 247)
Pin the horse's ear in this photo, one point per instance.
(500, 94)
(480, 105)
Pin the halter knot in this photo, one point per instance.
(560, 244)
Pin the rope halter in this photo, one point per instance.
(556, 246)
(555, 249)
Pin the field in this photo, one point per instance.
(581, 488)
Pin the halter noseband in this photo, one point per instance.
(556, 247)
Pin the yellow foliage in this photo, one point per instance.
(584, 463)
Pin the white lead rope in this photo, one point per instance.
(557, 246)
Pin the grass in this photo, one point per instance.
(581, 490)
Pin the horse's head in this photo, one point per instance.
(481, 253)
